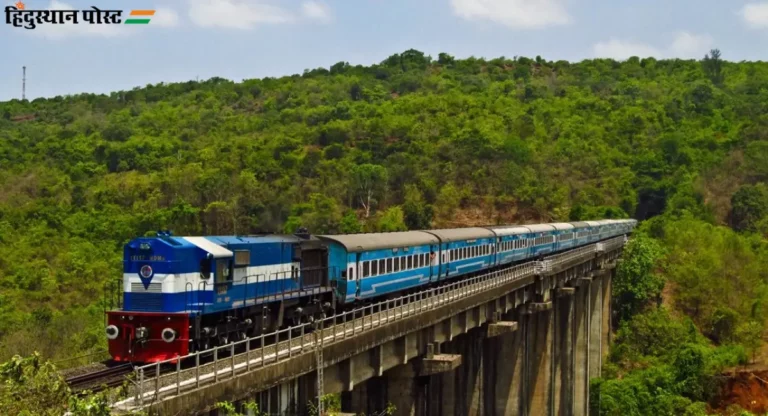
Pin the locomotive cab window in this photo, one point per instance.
(242, 258)
(205, 268)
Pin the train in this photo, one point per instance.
(186, 294)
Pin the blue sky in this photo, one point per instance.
(241, 39)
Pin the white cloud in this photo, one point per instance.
(316, 10)
(685, 45)
(165, 17)
(755, 15)
(236, 14)
(519, 14)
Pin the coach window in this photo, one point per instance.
(396, 260)
(382, 266)
(351, 273)
(366, 269)
(374, 268)
(402, 263)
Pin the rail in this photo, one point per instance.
(284, 344)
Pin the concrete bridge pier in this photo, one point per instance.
(564, 351)
(539, 345)
(504, 368)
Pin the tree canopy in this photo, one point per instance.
(412, 142)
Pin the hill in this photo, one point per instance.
(409, 143)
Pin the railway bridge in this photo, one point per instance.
(520, 341)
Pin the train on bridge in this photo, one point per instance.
(187, 294)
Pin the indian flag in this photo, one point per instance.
(142, 17)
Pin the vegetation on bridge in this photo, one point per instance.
(412, 142)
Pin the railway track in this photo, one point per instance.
(100, 379)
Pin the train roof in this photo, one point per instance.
(504, 230)
(253, 239)
(579, 224)
(458, 234)
(355, 243)
(561, 225)
(209, 246)
(537, 228)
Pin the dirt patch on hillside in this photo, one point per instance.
(743, 389)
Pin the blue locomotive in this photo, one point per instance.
(184, 294)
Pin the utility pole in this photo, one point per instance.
(23, 83)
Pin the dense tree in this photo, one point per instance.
(749, 206)
(410, 142)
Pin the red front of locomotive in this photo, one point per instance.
(146, 337)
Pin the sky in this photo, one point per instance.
(245, 39)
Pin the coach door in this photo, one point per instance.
(312, 256)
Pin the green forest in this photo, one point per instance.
(413, 142)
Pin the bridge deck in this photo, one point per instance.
(300, 343)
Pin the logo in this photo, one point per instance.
(19, 16)
(146, 271)
(145, 274)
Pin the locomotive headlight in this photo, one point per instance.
(169, 335)
(112, 332)
(142, 333)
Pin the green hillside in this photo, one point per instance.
(412, 142)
